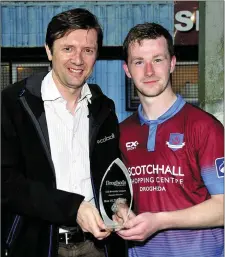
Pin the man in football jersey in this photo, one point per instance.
(174, 153)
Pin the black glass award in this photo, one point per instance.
(116, 187)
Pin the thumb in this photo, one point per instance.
(132, 221)
(99, 221)
(131, 214)
(123, 213)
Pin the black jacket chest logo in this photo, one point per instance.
(106, 138)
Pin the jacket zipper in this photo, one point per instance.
(50, 243)
(11, 233)
(40, 134)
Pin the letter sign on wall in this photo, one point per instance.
(188, 19)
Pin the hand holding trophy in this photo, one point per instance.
(116, 194)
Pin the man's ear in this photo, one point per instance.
(49, 54)
(125, 67)
(173, 63)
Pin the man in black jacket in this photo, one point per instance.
(53, 158)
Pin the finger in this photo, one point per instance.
(102, 235)
(133, 238)
(99, 229)
(124, 236)
(106, 235)
(135, 231)
(109, 230)
(117, 219)
(102, 227)
(95, 229)
(122, 213)
(88, 223)
(131, 214)
(99, 221)
(118, 228)
(133, 221)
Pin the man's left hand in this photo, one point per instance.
(140, 227)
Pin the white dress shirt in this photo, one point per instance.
(69, 139)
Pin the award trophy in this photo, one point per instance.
(115, 189)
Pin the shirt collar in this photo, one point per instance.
(85, 93)
(179, 103)
(49, 91)
(153, 124)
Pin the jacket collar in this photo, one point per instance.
(33, 83)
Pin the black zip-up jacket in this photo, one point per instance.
(32, 207)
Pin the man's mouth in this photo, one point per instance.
(78, 71)
(150, 81)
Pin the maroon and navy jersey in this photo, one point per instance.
(178, 164)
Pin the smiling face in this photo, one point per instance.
(149, 65)
(73, 57)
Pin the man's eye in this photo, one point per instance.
(158, 60)
(89, 51)
(138, 62)
(67, 49)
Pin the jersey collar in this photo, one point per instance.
(153, 124)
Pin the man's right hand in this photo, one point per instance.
(89, 220)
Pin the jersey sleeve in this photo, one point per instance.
(211, 157)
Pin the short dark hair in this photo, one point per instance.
(147, 31)
(67, 21)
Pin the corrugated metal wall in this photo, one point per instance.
(24, 24)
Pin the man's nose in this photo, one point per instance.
(149, 70)
(77, 58)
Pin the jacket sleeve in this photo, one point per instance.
(27, 196)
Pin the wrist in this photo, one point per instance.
(164, 220)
